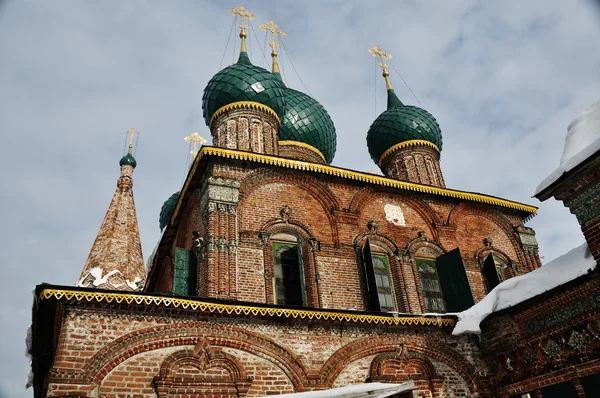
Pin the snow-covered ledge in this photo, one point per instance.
(511, 292)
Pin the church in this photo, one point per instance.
(277, 273)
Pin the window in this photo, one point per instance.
(379, 283)
(432, 289)
(288, 278)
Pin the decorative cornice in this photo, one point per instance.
(354, 175)
(247, 310)
(407, 144)
(304, 145)
(245, 104)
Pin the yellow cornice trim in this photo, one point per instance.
(359, 176)
(247, 310)
(407, 144)
(245, 104)
(304, 145)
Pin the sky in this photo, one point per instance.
(503, 79)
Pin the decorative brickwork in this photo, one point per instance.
(416, 162)
(246, 128)
(300, 151)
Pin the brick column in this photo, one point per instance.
(578, 387)
(219, 199)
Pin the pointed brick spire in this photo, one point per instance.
(115, 261)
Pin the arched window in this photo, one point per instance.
(288, 270)
(379, 281)
(430, 281)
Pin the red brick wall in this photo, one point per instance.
(335, 212)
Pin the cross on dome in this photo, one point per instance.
(131, 133)
(195, 139)
(383, 57)
(244, 15)
(272, 27)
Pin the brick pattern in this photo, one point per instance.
(115, 261)
(300, 153)
(116, 353)
(416, 163)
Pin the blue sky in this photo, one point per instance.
(503, 79)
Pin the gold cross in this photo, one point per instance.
(383, 57)
(244, 14)
(133, 132)
(271, 26)
(196, 139)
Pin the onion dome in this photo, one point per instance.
(128, 160)
(306, 121)
(166, 211)
(401, 123)
(239, 82)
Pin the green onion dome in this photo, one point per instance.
(243, 81)
(128, 160)
(401, 123)
(166, 211)
(305, 120)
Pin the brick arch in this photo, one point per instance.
(308, 183)
(376, 345)
(463, 209)
(400, 360)
(154, 338)
(202, 358)
(363, 196)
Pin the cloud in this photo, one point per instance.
(503, 79)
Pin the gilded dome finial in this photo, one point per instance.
(244, 15)
(272, 27)
(383, 57)
(194, 139)
(132, 132)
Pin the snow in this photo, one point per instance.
(372, 390)
(561, 270)
(98, 280)
(581, 142)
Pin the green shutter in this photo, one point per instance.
(490, 271)
(453, 279)
(184, 275)
(301, 269)
(370, 274)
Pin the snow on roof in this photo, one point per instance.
(371, 390)
(581, 142)
(513, 291)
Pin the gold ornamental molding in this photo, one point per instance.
(405, 144)
(353, 175)
(245, 104)
(304, 145)
(246, 310)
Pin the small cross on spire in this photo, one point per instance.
(132, 132)
(195, 139)
(383, 57)
(244, 14)
(272, 27)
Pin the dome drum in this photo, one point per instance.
(416, 161)
(246, 126)
(301, 151)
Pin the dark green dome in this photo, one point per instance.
(305, 120)
(128, 159)
(166, 211)
(243, 81)
(400, 123)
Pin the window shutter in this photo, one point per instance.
(184, 274)
(455, 284)
(370, 274)
(490, 272)
(301, 270)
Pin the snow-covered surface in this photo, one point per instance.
(559, 271)
(372, 390)
(582, 141)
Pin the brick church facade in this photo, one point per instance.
(278, 273)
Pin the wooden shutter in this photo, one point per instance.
(490, 272)
(184, 273)
(301, 270)
(453, 279)
(370, 274)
